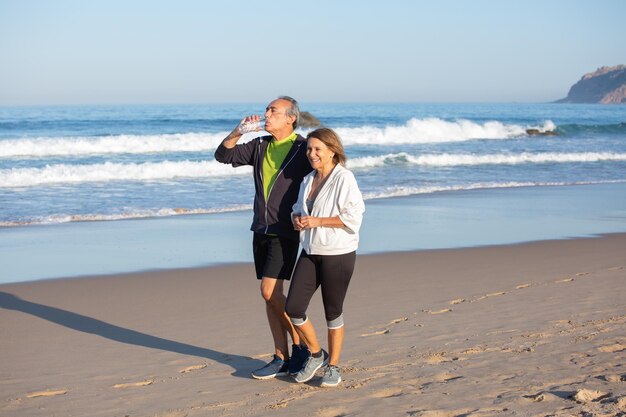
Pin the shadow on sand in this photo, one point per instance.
(242, 365)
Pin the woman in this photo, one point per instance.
(328, 215)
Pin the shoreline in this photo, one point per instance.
(502, 330)
(432, 221)
(245, 264)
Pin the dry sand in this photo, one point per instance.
(521, 330)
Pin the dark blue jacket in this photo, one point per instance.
(273, 217)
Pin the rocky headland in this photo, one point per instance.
(308, 120)
(606, 85)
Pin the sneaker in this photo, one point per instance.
(277, 367)
(311, 366)
(331, 377)
(299, 355)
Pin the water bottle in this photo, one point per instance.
(250, 126)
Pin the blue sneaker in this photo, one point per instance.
(299, 355)
(277, 367)
(332, 376)
(311, 366)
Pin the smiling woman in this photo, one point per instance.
(328, 214)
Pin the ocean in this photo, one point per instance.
(109, 164)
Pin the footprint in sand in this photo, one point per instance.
(565, 280)
(616, 268)
(446, 377)
(614, 378)
(388, 393)
(379, 332)
(173, 413)
(440, 357)
(396, 321)
(386, 329)
(522, 286)
(475, 350)
(493, 294)
(444, 413)
(457, 301)
(134, 384)
(445, 310)
(616, 347)
(584, 396)
(536, 397)
(192, 368)
(582, 274)
(333, 412)
(48, 393)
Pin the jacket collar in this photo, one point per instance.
(332, 177)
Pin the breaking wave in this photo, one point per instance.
(450, 160)
(169, 170)
(431, 130)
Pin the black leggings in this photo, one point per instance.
(332, 273)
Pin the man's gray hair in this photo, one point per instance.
(294, 110)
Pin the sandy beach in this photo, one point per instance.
(521, 330)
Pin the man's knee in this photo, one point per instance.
(270, 287)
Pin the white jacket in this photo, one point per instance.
(339, 196)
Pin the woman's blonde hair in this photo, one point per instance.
(332, 141)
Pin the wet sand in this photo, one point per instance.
(527, 329)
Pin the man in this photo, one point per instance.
(280, 164)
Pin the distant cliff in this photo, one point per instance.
(606, 85)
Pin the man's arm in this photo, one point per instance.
(229, 152)
(231, 140)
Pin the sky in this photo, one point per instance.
(192, 51)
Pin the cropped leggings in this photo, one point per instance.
(332, 273)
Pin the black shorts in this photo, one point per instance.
(274, 256)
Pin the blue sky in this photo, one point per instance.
(184, 51)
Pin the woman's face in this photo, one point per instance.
(319, 155)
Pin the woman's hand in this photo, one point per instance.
(306, 222)
(295, 219)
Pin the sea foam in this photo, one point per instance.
(122, 144)
(450, 160)
(435, 130)
(430, 130)
(108, 171)
(405, 191)
(172, 170)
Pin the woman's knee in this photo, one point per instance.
(334, 321)
(293, 310)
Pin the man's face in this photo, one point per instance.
(276, 118)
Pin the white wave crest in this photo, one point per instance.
(450, 160)
(430, 130)
(108, 171)
(401, 191)
(169, 170)
(435, 130)
(390, 192)
(122, 144)
(128, 214)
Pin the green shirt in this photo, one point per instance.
(274, 157)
